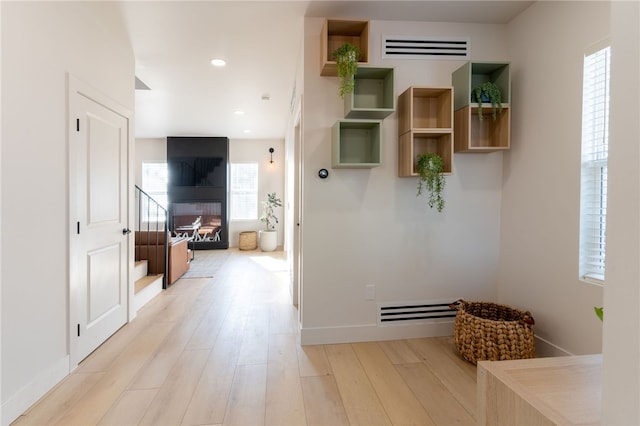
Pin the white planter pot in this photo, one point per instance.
(268, 240)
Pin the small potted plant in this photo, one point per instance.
(430, 169)
(489, 93)
(346, 57)
(269, 236)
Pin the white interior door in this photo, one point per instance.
(99, 249)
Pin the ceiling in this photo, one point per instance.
(174, 42)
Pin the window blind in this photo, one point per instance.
(244, 191)
(593, 182)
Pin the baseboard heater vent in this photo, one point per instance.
(411, 47)
(400, 312)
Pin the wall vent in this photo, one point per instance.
(425, 311)
(412, 47)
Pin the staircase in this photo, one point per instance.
(146, 286)
(151, 219)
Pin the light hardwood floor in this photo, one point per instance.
(224, 350)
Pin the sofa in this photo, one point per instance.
(149, 245)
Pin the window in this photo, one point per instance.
(593, 182)
(154, 183)
(244, 191)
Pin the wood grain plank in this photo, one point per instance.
(313, 361)
(399, 402)
(211, 396)
(360, 400)
(155, 372)
(255, 343)
(248, 395)
(399, 352)
(323, 405)
(53, 406)
(285, 404)
(172, 399)
(453, 377)
(92, 406)
(130, 408)
(441, 405)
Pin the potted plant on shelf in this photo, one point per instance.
(487, 92)
(346, 57)
(430, 169)
(269, 236)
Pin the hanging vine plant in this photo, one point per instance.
(430, 170)
(346, 57)
(488, 92)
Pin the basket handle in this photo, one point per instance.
(456, 305)
(527, 319)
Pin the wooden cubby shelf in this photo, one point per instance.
(415, 143)
(471, 133)
(336, 32)
(356, 144)
(425, 124)
(486, 135)
(373, 94)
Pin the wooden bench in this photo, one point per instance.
(540, 391)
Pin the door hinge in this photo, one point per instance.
(77, 124)
(78, 330)
(78, 228)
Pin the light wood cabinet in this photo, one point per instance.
(425, 124)
(471, 133)
(541, 391)
(336, 32)
(356, 144)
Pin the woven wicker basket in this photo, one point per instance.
(248, 240)
(493, 332)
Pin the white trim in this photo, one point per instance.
(373, 332)
(145, 295)
(19, 402)
(545, 348)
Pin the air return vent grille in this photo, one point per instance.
(393, 313)
(411, 47)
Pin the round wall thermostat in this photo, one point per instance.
(323, 173)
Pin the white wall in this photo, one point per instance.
(541, 188)
(621, 340)
(41, 42)
(368, 227)
(270, 178)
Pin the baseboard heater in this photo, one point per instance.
(400, 312)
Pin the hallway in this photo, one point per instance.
(224, 350)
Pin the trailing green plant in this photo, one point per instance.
(493, 93)
(346, 57)
(430, 170)
(599, 312)
(269, 205)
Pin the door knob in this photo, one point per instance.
(126, 231)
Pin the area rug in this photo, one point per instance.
(206, 263)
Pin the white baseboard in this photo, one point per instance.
(545, 348)
(373, 332)
(19, 402)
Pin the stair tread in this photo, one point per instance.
(145, 281)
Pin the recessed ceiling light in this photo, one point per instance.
(218, 62)
(238, 112)
(247, 131)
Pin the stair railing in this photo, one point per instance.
(152, 218)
